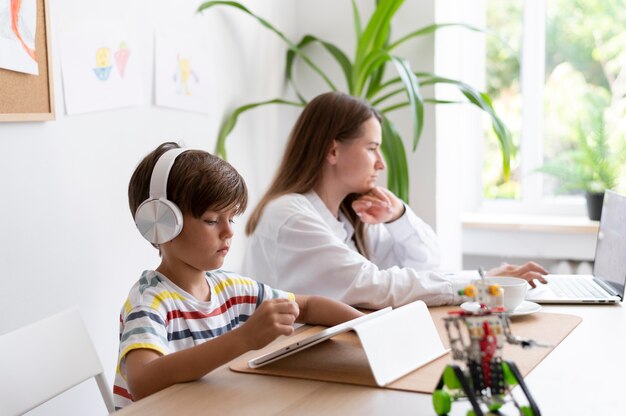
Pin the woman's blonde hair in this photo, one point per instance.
(330, 116)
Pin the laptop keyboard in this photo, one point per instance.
(576, 287)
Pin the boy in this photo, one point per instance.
(187, 317)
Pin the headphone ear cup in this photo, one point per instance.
(159, 220)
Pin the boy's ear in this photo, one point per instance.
(333, 153)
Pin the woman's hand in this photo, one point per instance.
(377, 206)
(529, 271)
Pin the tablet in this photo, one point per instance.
(313, 339)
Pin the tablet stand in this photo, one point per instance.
(399, 342)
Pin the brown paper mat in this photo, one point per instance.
(341, 359)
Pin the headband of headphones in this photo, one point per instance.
(161, 172)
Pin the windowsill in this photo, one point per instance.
(530, 223)
(529, 236)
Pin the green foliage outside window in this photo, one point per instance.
(584, 92)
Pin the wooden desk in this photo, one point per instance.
(584, 375)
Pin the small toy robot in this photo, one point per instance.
(488, 379)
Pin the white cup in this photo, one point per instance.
(514, 290)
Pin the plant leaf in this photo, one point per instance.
(392, 148)
(377, 28)
(570, 174)
(230, 120)
(483, 101)
(268, 25)
(427, 30)
(435, 101)
(372, 62)
(374, 36)
(337, 53)
(376, 78)
(375, 81)
(411, 86)
(387, 96)
(397, 80)
(358, 29)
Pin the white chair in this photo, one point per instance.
(46, 358)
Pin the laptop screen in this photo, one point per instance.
(610, 260)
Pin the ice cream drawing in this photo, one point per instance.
(103, 63)
(121, 58)
(183, 74)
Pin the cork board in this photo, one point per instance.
(341, 359)
(25, 97)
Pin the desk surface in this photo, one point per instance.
(582, 376)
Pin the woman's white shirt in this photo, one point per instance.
(300, 246)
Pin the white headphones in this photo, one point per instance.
(158, 219)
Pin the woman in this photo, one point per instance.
(325, 228)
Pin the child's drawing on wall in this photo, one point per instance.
(183, 68)
(103, 63)
(100, 66)
(18, 24)
(183, 74)
(121, 58)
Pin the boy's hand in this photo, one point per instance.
(273, 318)
(377, 206)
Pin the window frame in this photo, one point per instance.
(532, 70)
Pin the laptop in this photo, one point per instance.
(606, 285)
(314, 339)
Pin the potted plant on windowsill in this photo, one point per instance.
(368, 75)
(591, 167)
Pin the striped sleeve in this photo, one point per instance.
(237, 285)
(142, 327)
(269, 293)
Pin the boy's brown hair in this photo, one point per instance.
(197, 182)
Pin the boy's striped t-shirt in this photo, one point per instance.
(160, 316)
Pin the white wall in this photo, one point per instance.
(459, 127)
(66, 233)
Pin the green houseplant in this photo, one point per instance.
(366, 77)
(591, 166)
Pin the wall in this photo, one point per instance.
(66, 234)
(459, 131)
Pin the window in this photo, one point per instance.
(556, 70)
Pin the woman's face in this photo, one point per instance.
(359, 160)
